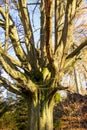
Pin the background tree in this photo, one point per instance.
(13, 114)
(21, 114)
(37, 70)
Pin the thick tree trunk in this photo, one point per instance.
(46, 118)
(40, 118)
(33, 111)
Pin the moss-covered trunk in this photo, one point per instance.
(46, 118)
(40, 116)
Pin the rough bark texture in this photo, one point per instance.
(46, 118)
(40, 115)
(33, 117)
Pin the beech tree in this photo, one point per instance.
(37, 71)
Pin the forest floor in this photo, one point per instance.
(71, 114)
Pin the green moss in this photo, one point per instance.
(57, 97)
(46, 74)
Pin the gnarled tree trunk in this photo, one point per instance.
(40, 115)
(46, 118)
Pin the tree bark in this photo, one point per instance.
(46, 118)
(33, 110)
(40, 117)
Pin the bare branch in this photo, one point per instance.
(49, 15)
(42, 33)
(14, 36)
(34, 3)
(11, 59)
(9, 86)
(10, 67)
(78, 49)
(29, 39)
(7, 25)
